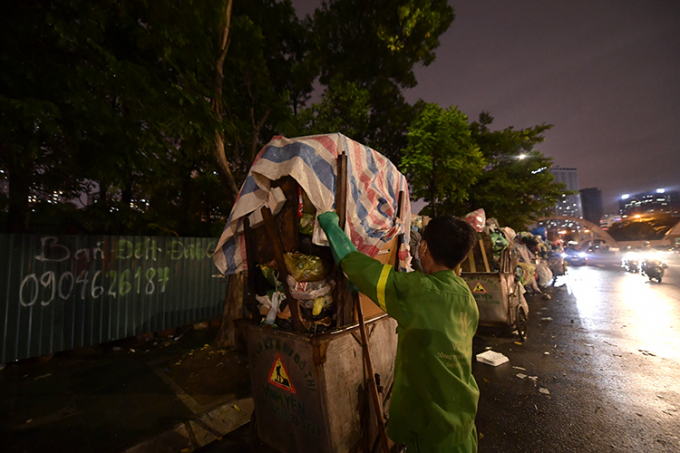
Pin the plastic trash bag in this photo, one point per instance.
(509, 233)
(309, 290)
(543, 274)
(306, 268)
(525, 273)
(477, 219)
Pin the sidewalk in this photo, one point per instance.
(135, 395)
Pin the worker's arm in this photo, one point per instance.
(378, 281)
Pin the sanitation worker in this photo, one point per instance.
(434, 398)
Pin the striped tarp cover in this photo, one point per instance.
(374, 186)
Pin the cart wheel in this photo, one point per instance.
(521, 323)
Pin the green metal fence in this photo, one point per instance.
(62, 292)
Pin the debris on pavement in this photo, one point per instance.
(544, 391)
(519, 368)
(43, 376)
(548, 318)
(492, 358)
(521, 376)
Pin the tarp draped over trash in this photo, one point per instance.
(372, 197)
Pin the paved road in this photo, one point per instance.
(608, 361)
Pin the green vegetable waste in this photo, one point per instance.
(306, 268)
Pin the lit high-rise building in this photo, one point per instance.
(570, 205)
(659, 201)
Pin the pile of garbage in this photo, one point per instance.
(535, 261)
(541, 261)
(296, 180)
(309, 281)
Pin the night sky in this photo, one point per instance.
(605, 73)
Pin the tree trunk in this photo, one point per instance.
(257, 127)
(233, 310)
(220, 156)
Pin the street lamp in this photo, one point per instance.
(592, 242)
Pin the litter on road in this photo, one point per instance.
(492, 358)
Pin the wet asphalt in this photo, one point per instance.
(609, 358)
(599, 371)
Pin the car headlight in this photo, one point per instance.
(582, 255)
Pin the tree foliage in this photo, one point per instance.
(126, 99)
(515, 186)
(115, 97)
(442, 161)
(375, 46)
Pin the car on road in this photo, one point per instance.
(575, 258)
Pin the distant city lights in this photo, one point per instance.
(660, 190)
(625, 196)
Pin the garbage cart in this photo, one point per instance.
(499, 299)
(309, 389)
(499, 294)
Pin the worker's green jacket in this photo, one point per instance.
(434, 398)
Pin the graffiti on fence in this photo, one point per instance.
(107, 269)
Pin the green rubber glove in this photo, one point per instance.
(340, 244)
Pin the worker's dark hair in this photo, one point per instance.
(449, 239)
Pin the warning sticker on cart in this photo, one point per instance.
(279, 376)
(479, 288)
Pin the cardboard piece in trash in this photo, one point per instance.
(492, 358)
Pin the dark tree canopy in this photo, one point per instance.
(132, 103)
(375, 45)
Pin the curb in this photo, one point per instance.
(203, 429)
